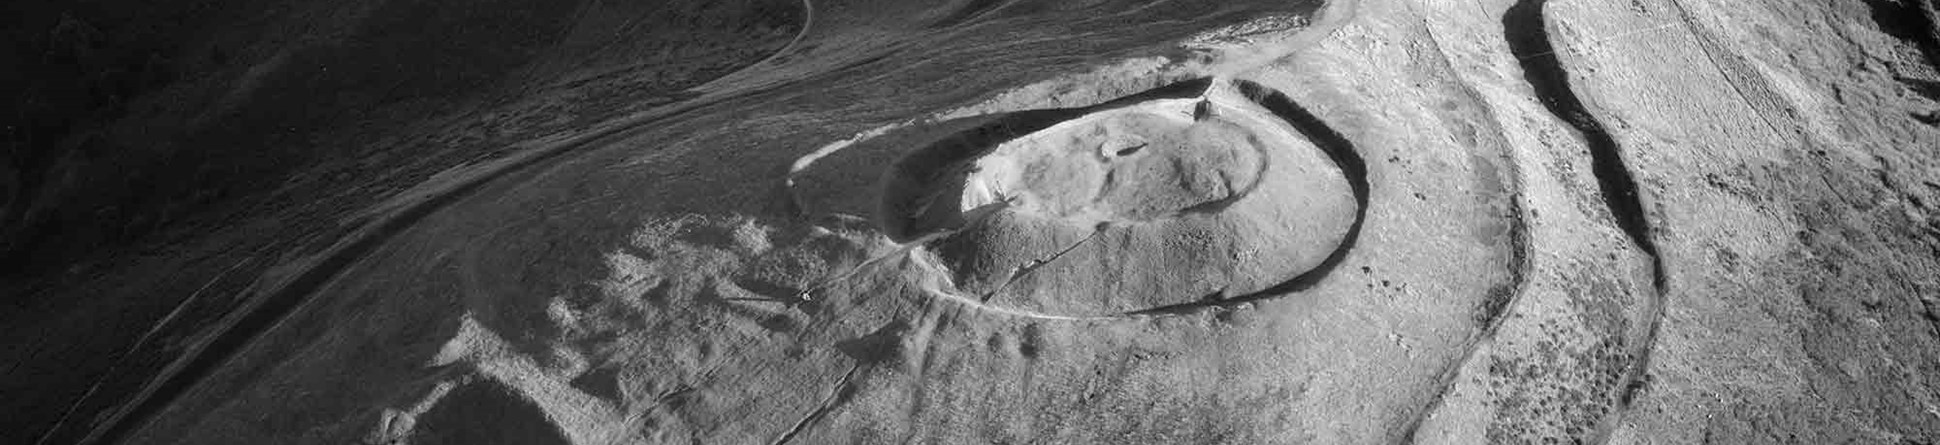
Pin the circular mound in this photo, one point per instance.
(1121, 209)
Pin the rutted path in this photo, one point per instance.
(1530, 42)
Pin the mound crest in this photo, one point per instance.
(1154, 200)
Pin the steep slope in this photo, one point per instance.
(270, 151)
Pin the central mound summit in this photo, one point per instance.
(1131, 165)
